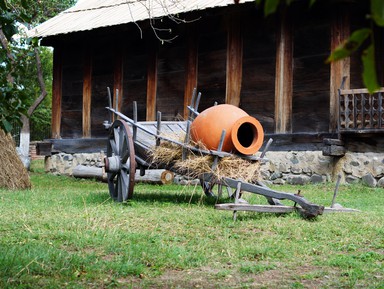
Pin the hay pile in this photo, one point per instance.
(194, 165)
(13, 174)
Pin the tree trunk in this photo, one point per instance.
(25, 130)
(25, 136)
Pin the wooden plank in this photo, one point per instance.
(56, 92)
(275, 208)
(333, 150)
(255, 208)
(151, 83)
(87, 92)
(340, 31)
(171, 75)
(43, 148)
(118, 76)
(358, 91)
(234, 61)
(332, 141)
(78, 145)
(340, 210)
(284, 76)
(212, 61)
(191, 65)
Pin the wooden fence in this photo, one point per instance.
(360, 111)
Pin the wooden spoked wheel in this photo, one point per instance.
(120, 163)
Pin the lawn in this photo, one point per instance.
(68, 233)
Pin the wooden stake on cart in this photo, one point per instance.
(158, 128)
(134, 120)
(237, 195)
(336, 189)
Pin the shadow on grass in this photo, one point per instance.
(167, 197)
(162, 197)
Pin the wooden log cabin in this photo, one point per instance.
(272, 67)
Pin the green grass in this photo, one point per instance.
(68, 233)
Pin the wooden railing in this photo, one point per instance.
(360, 111)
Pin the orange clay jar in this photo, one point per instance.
(244, 133)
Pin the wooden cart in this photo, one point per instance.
(129, 144)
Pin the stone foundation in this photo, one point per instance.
(300, 167)
(63, 164)
(312, 167)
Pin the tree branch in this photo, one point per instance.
(40, 78)
(5, 45)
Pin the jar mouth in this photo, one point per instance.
(247, 135)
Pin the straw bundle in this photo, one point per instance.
(13, 174)
(194, 165)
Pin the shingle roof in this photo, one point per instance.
(91, 14)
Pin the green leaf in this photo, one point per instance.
(9, 30)
(270, 6)
(3, 5)
(25, 17)
(377, 11)
(311, 3)
(6, 126)
(24, 4)
(353, 43)
(35, 41)
(258, 2)
(369, 69)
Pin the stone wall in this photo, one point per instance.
(300, 167)
(297, 167)
(63, 164)
(312, 167)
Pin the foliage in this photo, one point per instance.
(12, 97)
(68, 233)
(362, 38)
(18, 74)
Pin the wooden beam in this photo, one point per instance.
(118, 77)
(57, 92)
(151, 82)
(275, 208)
(340, 31)
(234, 61)
(87, 92)
(284, 75)
(191, 65)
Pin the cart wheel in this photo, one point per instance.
(120, 163)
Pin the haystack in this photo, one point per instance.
(13, 174)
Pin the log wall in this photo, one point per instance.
(310, 103)
(135, 60)
(72, 92)
(274, 68)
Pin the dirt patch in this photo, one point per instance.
(229, 277)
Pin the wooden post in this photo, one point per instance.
(339, 32)
(118, 77)
(234, 61)
(87, 92)
(56, 92)
(191, 66)
(151, 82)
(284, 76)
